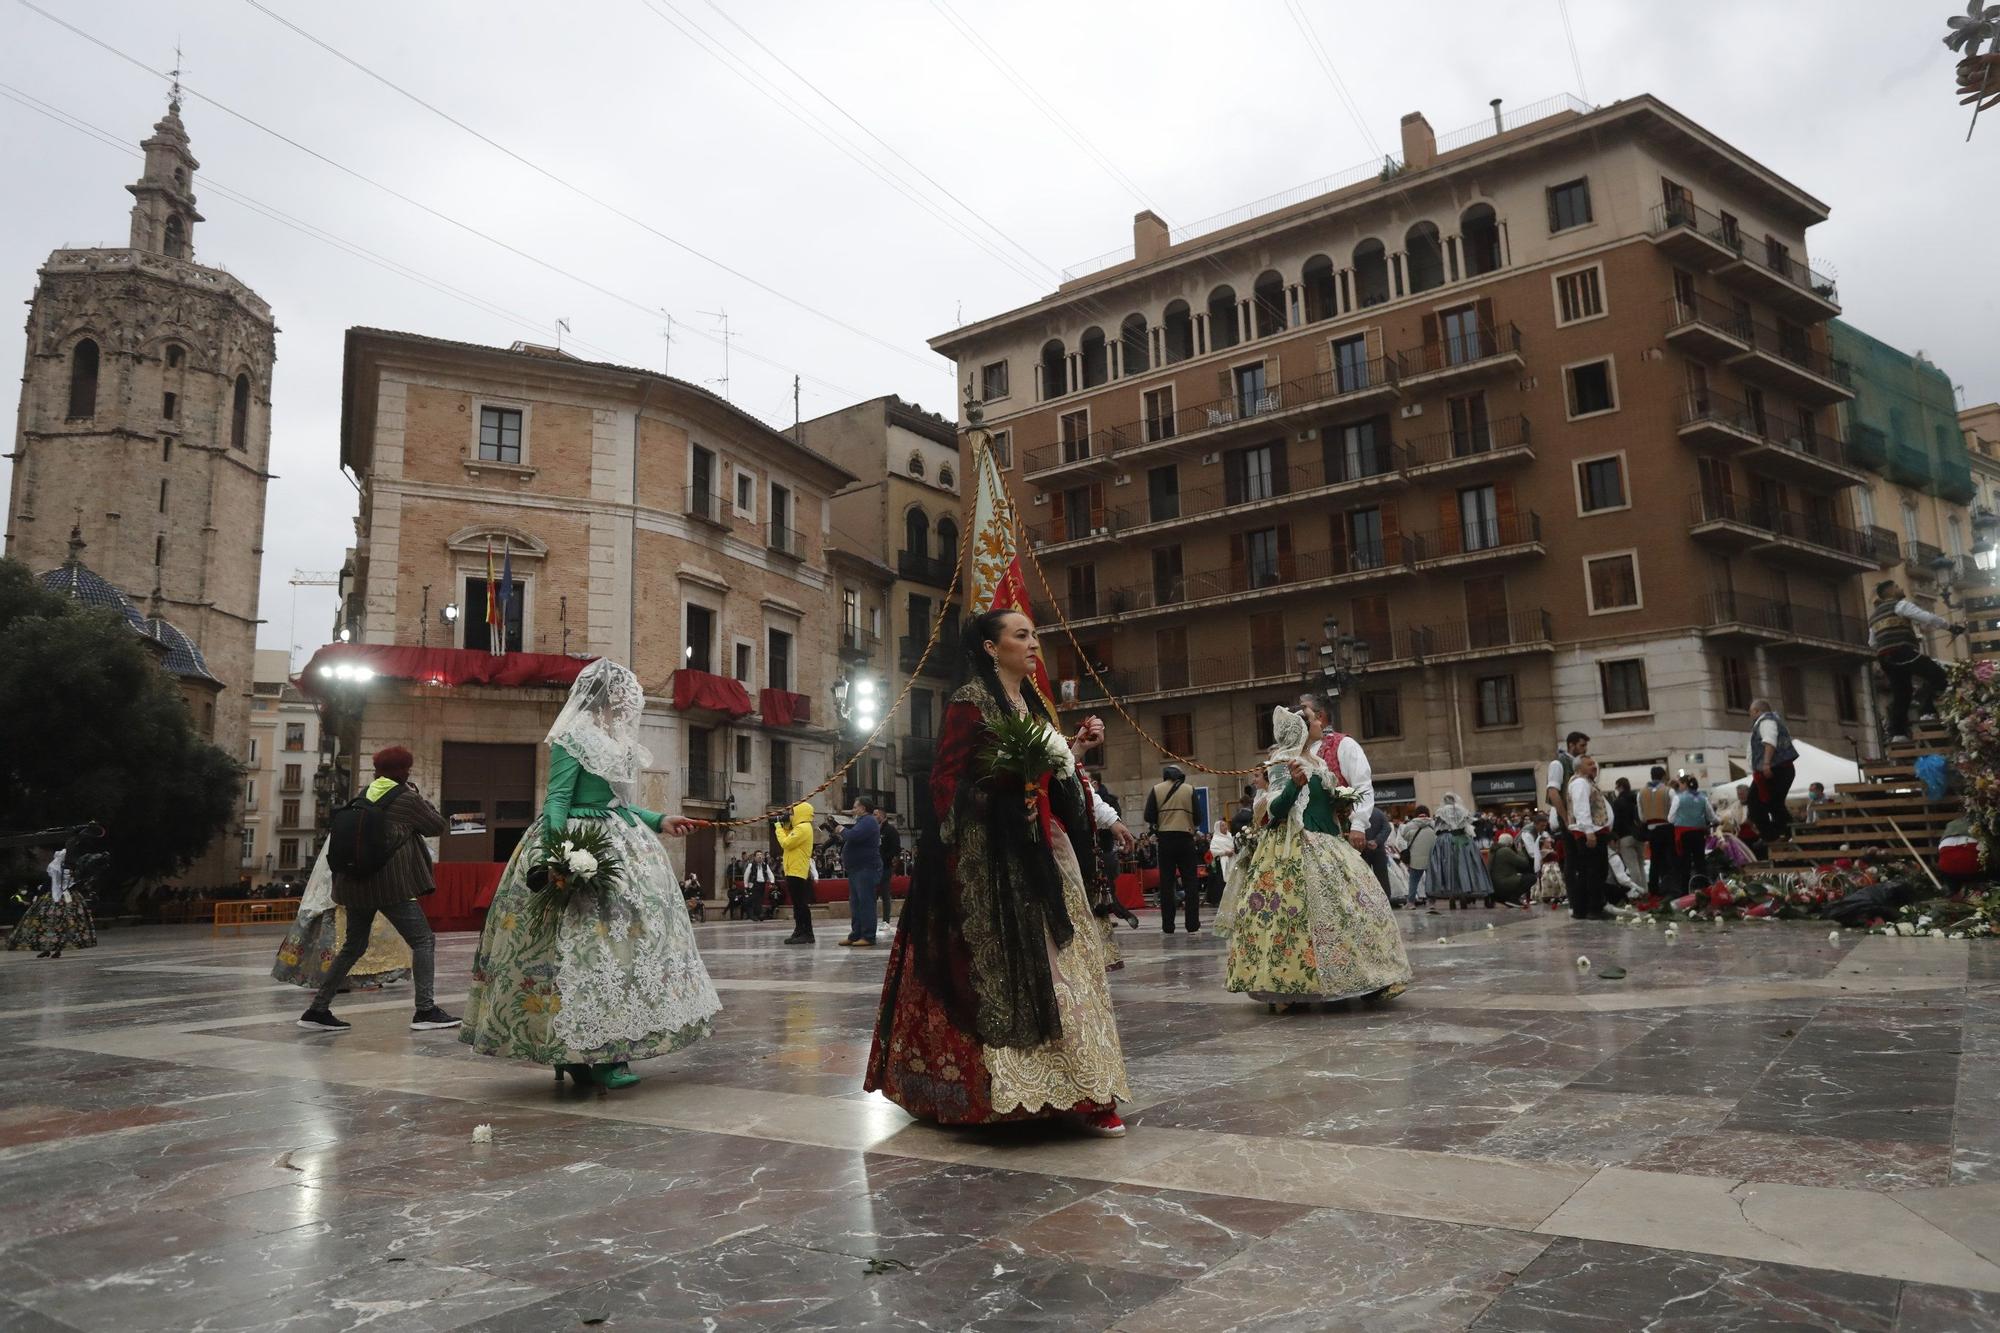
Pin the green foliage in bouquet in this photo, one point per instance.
(1025, 749)
(583, 859)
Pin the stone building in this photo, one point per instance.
(634, 516)
(282, 756)
(145, 420)
(907, 511)
(1540, 412)
(1981, 425)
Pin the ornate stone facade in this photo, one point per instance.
(145, 417)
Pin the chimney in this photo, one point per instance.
(1499, 124)
(1420, 142)
(1150, 237)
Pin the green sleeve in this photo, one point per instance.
(1281, 804)
(652, 818)
(563, 774)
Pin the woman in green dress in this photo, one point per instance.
(1311, 921)
(598, 978)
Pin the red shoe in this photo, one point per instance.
(1103, 1124)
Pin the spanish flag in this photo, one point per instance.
(496, 616)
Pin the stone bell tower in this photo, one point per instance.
(145, 416)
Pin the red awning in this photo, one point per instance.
(782, 708)
(704, 689)
(441, 666)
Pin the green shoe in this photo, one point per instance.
(613, 1076)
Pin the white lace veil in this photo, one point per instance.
(600, 725)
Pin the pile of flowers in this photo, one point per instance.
(1971, 708)
(1774, 896)
(1973, 917)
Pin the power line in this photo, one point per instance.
(1575, 61)
(1040, 103)
(353, 248)
(1325, 61)
(465, 226)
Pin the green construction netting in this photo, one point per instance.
(1903, 421)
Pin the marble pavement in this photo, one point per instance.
(1755, 1129)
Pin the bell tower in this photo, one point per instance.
(163, 211)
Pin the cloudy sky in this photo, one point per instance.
(895, 178)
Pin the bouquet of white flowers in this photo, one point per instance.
(577, 860)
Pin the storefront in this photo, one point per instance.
(1505, 789)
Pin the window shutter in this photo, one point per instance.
(1337, 530)
(1503, 505)
(1287, 565)
(1324, 358)
(1239, 576)
(1225, 386)
(1096, 505)
(1448, 520)
(1555, 223)
(1056, 525)
(1484, 310)
(1374, 345)
(1430, 331)
(1273, 375)
(1281, 477)
(1392, 536)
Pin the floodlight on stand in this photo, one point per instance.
(865, 687)
(346, 634)
(448, 613)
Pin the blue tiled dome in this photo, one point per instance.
(78, 582)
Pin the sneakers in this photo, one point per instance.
(1103, 1125)
(317, 1019)
(862, 944)
(432, 1019)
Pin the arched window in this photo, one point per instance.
(1096, 364)
(1132, 336)
(1177, 323)
(180, 177)
(1479, 236)
(83, 380)
(1424, 256)
(917, 532)
(1055, 374)
(947, 538)
(176, 238)
(175, 355)
(1371, 273)
(1222, 318)
(1321, 300)
(1267, 302)
(917, 466)
(239, 415)
(947, 478)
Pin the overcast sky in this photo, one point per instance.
(1196, 107)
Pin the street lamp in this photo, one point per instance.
(1342, 660)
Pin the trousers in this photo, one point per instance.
(861, 886)
(408, 919)
(802, 910)
(1586, 894)
(1177, 876)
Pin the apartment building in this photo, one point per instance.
(1902, 428)
(629, 515)
(1540, 413)
(905, 510)
(1981, 426)
(281, 758)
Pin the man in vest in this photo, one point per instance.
(1589, 826)
(1772, 757)
(1656, 809)
(1892, 633)
(1555, 790)
(1170, 810)
(1348, 762)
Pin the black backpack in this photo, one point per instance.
(362, 839)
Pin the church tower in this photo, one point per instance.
(145, 417)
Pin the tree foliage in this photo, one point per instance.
(92, 728)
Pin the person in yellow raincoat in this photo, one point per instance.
(796, 840)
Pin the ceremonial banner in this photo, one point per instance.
(994, 578)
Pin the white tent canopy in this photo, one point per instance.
(1814, 765)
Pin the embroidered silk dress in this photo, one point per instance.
(995, 1006)
(58, 918)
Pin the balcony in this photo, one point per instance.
(1464, 358)
(1816, 543)
(1885, 546)
(1711, 421)
(788, 542)
(1725, 522)
(704, 505)
(1796, 450)
(1706, 328)
(1391, 557)
(1238, 671)
(1909, 464)
(858, 644)
(1922, 559)
(1507, 537)
(701, 784)
(1499, 635)
(1792, 365)
(1954, 481)
(1745, 616)
(918, 567)
(1082, 455)
(919, 752)
(910, 656)
(1781, 282)
(1495, 446)
(1867, 446)
(1694, 237)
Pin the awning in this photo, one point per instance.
(437, 666)
(704, 689)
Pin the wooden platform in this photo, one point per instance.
(1866, 818)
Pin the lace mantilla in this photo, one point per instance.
(599, 724)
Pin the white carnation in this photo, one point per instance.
(581, 863)
(1905, 928)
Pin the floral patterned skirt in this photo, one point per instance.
(594, 980)
(308, 950)
(48, 925)
(1312, 923)
(931, 1069)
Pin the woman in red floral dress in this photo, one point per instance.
(995, 1006)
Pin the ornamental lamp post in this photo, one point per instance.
(1343, 658)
